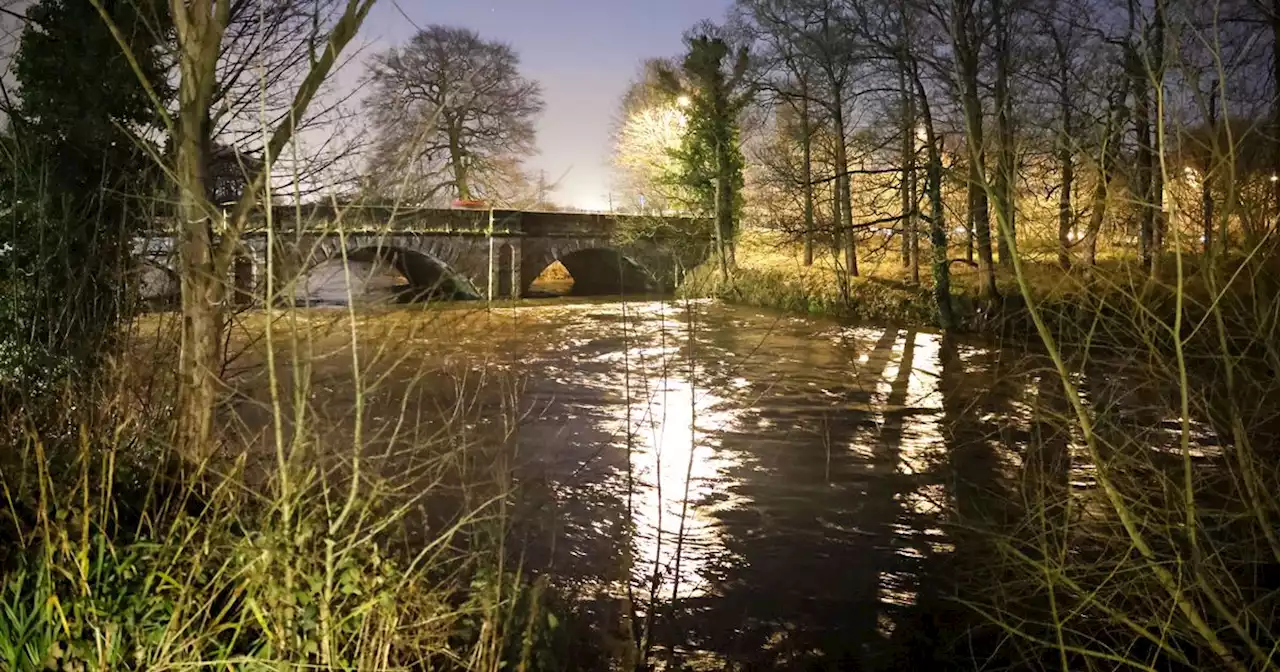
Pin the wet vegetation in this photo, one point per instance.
(980, 373)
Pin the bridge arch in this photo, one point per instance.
(156, 280)
(597, 270)
(425, 275)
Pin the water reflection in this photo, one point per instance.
(330, 283)
(786, 493)
(672, 430)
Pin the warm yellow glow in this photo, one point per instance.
(684, 101)
(1192, 175)
(644, 150)
(1275, 178)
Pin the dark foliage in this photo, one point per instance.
(77, 179)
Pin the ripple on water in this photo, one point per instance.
(783, 488)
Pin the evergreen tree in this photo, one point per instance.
(78, 180)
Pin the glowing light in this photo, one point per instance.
(1193, 176)
(674, 429)
(684, 101)
(1275, 178)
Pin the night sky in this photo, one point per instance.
(584, 52)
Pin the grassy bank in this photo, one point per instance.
(1115, 303)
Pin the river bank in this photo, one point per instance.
(1114, 304)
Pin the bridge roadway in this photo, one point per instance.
(457, 253)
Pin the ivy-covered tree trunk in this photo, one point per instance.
(937, 209)
(723, 211)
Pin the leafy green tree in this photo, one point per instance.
(713, 79)
(77, 179)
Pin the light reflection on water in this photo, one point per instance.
(364, 282)
(673, 465)
(805, 479)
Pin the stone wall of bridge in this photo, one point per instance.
(462, 253)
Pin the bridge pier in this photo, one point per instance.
(244, 284)
(504, 268)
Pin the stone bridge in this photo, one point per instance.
(457, 253)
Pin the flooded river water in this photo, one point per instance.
(786, 491)
(782, 492)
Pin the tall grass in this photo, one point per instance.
(353, 514)
(350, 519)
(1172, 559)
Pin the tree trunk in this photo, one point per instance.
(1275, 103)
(724, 205)
(837, 236)
(199, 31)
(968, 230)
(722, 247)
(1206, 180)
(1159, 222)
(913, 189)
(937, 212)
(1142, 128)
(1065, 216)
(966, 56)
(1117, 120)
(458, 159)
(1006, 208)
(937, 226)
(908, 168)
(1096, 216)
(806, 170)
(845, 196)
(1066, 164)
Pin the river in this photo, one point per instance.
(795, 485)
(783, 492)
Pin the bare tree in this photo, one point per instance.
(205, 258)
(267, 50)
(789, 86)
(819, 37)
(648, 129)
(448, 109)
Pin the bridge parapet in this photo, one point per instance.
(324, 218)
(320, 218)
